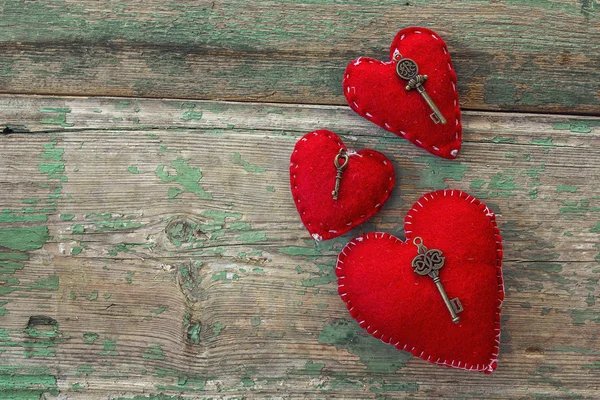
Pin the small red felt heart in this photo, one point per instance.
(375, 91)
(366, 184)
(400, 307)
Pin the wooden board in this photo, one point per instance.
(521, 55)
(151, 248)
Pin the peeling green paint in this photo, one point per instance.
(90, 338)
(55, 167)
(533, 194)
(8, 216)
(498, 139)
(59, 119)
(566, 188)
(154, 352)
(577, 125)
(67, 217)
(85, 370)
(186, 175)
(109, 348)
(545, 143)
(159, 310)
(191, 115)
(133, 169)
(534, 172)
(591, 300)
(10, 267)
(577, 207)
(581, 316)
(76, 250)
(437, 171)
(237, 160)
(92, 296)
(225, 276)
(299, 251)
(193, 333)
(216, 330)
(379, 385)
(324, 276)
(596, 228)
(252, 237)
(14, 386)
(240, 226)
(255, 320)
(310, 368)
(115, 225)
(477, 184)
(128, 247)
(24, 239)
(376, 355)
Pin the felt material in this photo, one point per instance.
(366, 184)
(375, 91)
(402, 308)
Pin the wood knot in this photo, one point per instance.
(181, 232)
(534, 351)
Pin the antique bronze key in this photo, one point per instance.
(408, 70)
(429, 262)
(340, 169)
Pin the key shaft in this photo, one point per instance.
(455, 318)
(436, 116)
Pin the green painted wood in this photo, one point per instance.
(150, 249)
(534, 55)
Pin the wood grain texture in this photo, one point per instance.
(151, 248)
(520, 55)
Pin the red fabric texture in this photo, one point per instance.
(366, 184)
(375, 91)
(402, 308)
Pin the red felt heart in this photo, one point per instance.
(402, 308)
(366, 184)
(375, 91)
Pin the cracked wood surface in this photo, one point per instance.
(150, 249)
(520, 55)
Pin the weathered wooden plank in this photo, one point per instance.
(509, 55)
(152, 246)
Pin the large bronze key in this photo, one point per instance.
(408, 70)
(429, 262)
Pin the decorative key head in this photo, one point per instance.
(426, 261)
(407, 69)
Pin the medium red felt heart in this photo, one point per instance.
(400, 307)
(366, 184)
(375, 91)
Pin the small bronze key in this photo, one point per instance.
(429, 262)
(408, 70)
(340, 169)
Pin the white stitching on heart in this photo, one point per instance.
(490, 366)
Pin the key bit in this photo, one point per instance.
(429, 262)
(343, 156)
(408, 70)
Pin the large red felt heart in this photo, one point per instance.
(402, 308)
(366, 184)
(375, 91)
